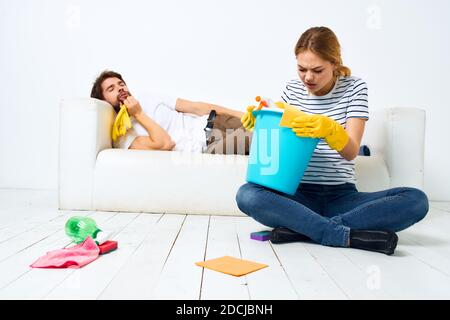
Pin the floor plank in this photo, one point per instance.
(180, 277)
(352, 280)
(308, 277)
(146, 255)
(157, 254)
(401, 276)
(18, 264)
(89, 281)
(433, 257)
(271, 282)
(223, 241)
(36, 283)
(32, 235)
(444, 206)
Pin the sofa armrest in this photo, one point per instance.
(405, 145)
(398, 136)
(85, 130)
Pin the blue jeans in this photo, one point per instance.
(326, 213)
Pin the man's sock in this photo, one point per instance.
(374, 240)
(285, 235)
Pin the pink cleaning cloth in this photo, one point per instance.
(73, 257)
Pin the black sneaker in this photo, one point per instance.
(285, 235)
(374, 240)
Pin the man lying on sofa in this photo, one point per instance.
(165, 123)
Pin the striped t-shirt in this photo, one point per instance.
(348, 99)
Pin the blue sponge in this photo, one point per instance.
(260, 235)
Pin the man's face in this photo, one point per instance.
(315, 73)
(115, 91)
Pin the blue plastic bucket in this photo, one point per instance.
(278, 158)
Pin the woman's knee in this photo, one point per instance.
(419, 203)
(246, 197)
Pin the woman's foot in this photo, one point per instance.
(285, 235)
(373, 240)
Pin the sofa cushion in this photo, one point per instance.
(371, 174)
(181, 182)
(168, 181)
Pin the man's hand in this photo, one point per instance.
(133, 106)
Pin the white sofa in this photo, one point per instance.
(93, 176)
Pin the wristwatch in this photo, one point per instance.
(209, 125)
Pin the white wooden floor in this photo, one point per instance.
(157, 254)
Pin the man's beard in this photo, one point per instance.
(120, 100)
(122, 96)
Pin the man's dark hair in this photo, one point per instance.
(97, 91)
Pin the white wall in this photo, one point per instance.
(224, 52)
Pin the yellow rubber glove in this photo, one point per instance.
(320, 126)
(121, 124)
(248, 119)
(289, 114)
(281, 104)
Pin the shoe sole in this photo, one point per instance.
(392, 245)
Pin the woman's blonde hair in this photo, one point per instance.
(323, 42)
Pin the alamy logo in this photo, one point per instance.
(268, 151)
(73, 20)
(374, 20)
